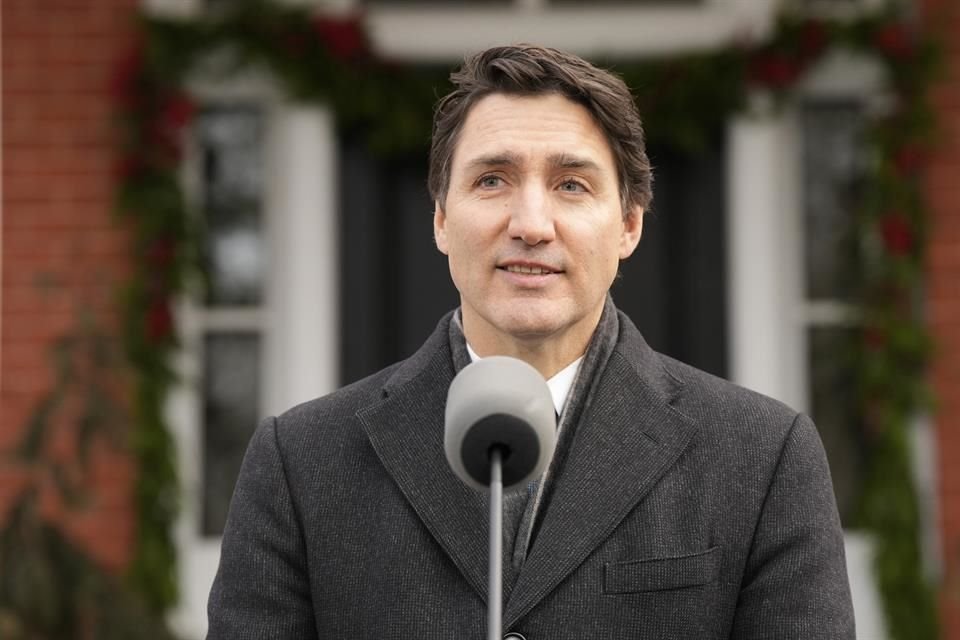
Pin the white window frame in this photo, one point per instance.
(440, 33)
(770, 315)
(298, 320)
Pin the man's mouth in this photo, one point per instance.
(528, 269)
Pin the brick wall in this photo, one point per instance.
(943, 299)
(63, 254)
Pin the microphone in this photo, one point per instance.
(499, 403)
(499, 431)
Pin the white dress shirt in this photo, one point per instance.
(559, 384)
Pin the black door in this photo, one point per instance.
(395, 285)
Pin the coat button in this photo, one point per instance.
(514, 636)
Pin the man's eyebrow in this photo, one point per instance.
(568, 161)
(493, 160)
(508, 159)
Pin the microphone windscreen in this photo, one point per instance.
(499, 402)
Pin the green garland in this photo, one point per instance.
(683, 100)
(49, 586)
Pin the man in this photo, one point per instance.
(676, 504)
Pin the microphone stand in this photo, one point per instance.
(495, 589)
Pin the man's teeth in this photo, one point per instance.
(515, 268)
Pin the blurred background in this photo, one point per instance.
(190, 246)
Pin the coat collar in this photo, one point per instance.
(405, 428)
(627, 439)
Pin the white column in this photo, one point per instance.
(303, 330)
(767, 341)
(867, 606)
(767, 338)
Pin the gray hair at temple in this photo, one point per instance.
(527, 70)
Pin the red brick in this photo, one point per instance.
(36, 380)
(945, 158)
(943, 191)
(946, 335)
(20, 81)
(951, 518)
(13, 481)
(31, 327)
(37, 270)
(945, 374)
(83, 106)
(97, 190)
(16, 408)
(942, 186)
(42, 212)
(944, 255)
(105, 242)
(63, 163)
(83, 47)
(943, 288)
(945, 410)
(946, 98)
(29, 249)
(23, 354)
(946, 378)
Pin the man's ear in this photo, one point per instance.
(440, 227)
(632, 229)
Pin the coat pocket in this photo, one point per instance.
(661, 574)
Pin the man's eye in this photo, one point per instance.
(572, 186)
(490, 181)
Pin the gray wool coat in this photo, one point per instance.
(686, 508)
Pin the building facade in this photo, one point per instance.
(323, 214)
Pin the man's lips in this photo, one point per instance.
(529, 268)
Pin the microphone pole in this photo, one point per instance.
(499, 432)
(495, 589)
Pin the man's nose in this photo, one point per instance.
(531, 216)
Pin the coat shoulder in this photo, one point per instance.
(707, 399)
(733, 418)
(332, 414)
(702, 391)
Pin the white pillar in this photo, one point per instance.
(303, 323)
(767, 342)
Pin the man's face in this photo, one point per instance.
(532, 223)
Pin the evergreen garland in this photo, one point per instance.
(682, 100)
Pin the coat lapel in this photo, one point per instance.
(626, 440)
(406, 430)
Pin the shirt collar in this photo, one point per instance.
(559, 384)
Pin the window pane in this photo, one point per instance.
(834, 407)
(833, 165)
(233, 249)
(231, 390)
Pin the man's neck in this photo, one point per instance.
(547, 361)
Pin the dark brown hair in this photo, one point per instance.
(530, 70)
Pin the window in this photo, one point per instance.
(233, 255)
(259, 334)
(832, 168)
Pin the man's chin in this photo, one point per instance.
(532, 326)
(526, 321)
